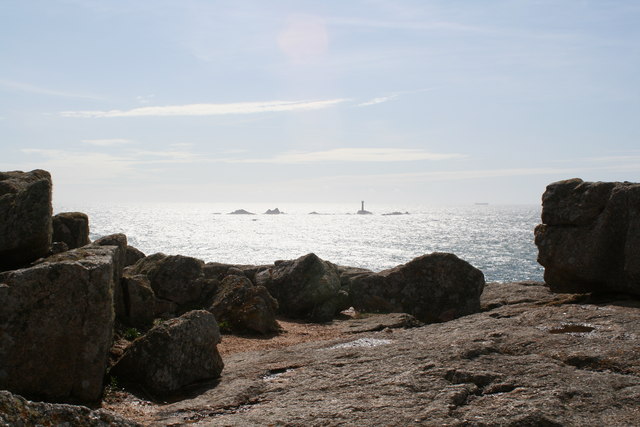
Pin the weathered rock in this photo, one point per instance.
(56, 324)
(218, 271)
(119, 240)
(133, 255)
(590, 235)
(245, 307)
(25, 217)
(178, 279)
(139, 301)
(173, 354)
(16, 411)
(71, 228)
(520, 364)
(434, 288)
(307, 287)
(379, 322)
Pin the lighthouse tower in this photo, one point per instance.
(362, 211)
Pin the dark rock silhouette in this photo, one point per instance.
(25, 217)
(434, 288)
(275, 211)
(71, 228)
(395, 213)
(241, 212)
(589, 237)
(307, 287)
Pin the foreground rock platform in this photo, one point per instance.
(529, 358)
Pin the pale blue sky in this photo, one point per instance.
(393, 101)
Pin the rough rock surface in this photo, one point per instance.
(590, 235)
(139, 301)
(532, 358)
(133, 255)
(218, 271)
(381, 322)
(25, 217)
(178, 279)
(71, 228)
(307, 287)
(56, 324)
(16, 411)
(119, 240)
(245, 307)
(434, 288)
(173, 354)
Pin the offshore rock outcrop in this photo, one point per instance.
(173, 354)
(56, 324)
(434, 288)
(589, 237)
(25, 213)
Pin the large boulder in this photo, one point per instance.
(16, 411)
(307, 288)
(25, 217)
(590, 236)
(71, 228)
(178, 279)
(173, 354)
(56, 325)
(433, 288)
(244, 307)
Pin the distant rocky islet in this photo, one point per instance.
(70, 296)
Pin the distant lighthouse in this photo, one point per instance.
(362, 211)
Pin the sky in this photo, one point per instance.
(389, 101)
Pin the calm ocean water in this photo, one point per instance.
(496, 239)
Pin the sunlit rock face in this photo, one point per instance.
(25, 217)
(589, 238)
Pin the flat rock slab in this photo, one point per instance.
(540, 362)
(379, 322)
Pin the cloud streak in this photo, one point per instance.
(379, 100)
(351, 155)
(210, 109)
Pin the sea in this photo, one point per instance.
(497, 239)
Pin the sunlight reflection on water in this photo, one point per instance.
(496, 239)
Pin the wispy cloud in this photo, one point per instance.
(29, 88)
(106, 142)
(379, 100)
(351, 155)
(210, 109)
